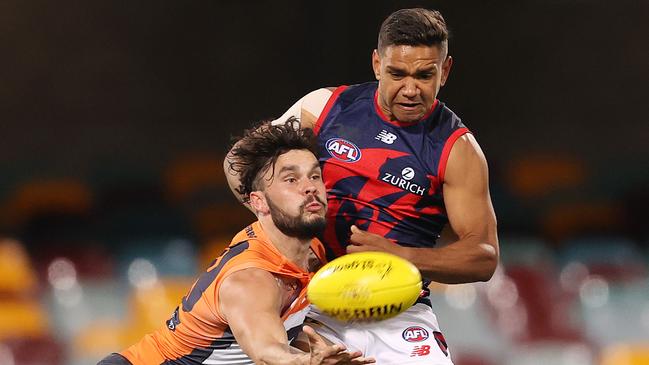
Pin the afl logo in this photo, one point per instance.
(415, 334)
(343, 150)
(408, 173)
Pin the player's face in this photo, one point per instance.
(409, 79)
(296, 195)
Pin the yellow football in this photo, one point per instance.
(365, 286)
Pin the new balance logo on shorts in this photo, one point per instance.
(422, 350)
(386, 137)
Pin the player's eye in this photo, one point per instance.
(290, 179)
(316, 177)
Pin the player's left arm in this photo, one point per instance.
(474, 256)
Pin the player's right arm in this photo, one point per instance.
(307, 110)
(251, 302)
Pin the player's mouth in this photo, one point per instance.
(313, 207)
(409, 106)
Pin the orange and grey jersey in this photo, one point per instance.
(197, 333)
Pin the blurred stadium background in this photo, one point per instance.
(116, 115)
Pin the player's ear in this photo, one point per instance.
(258, 202)
(446, 69)
(376, 64)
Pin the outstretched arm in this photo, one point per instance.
(250, 301)
(474, 256)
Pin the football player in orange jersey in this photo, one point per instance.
(251, 301)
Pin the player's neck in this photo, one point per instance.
(295, 249)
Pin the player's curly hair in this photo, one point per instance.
(260, 146)
(413, 27)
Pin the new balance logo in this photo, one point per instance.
(386, 137)
(422, 350)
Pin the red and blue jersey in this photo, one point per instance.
(383, 176)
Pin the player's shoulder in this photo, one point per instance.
(319, 101)
(249, 276)
(246, 285)
(446, 117)
(364, 91)
(348, 92)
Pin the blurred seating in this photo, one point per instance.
(90, 260)
(516, 213)
(32, 351)
(545, 304)
(171, 256)
(551, 353)
(23, 318)
(128, 212)
(466, 324)
(74, 305)
(569, 219)
(471, 359)
(17, 275)
(528, 288)
(191, 175)
(608, 277)
(537, 175)
(98, 339)
(614, 258)
(25, 330)
(526, 250)
(67, 235)
(150, 306)
(615, 313)
(196, 183)
(216, 220)
(66, 195)
(626, 354)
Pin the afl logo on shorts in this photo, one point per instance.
(415, 334)
(343, 150)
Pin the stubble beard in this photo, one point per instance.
(298, 226)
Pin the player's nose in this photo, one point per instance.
(309, 186)
(409, 88)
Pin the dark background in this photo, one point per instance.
(111, 91)
(115, 116)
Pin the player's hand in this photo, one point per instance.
(366, 241)
(322, 353)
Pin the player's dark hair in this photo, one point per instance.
(414, 27)
(259, 148)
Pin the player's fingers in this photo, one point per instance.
(349, 358)
(354, 355)
(332, 351)
(308, 329)
(319, 346)
(356, 248)
(359, 235)
(361, 360)
(314, 338)
(357, 232)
